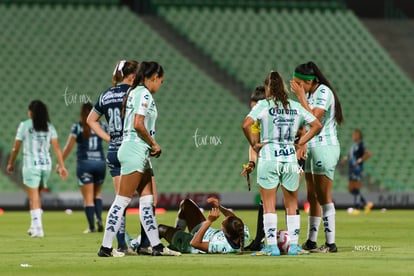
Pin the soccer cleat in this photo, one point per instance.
(99, 226)
(368, 207)
(355, 212)
(161, 250)
(87, 231)
(37, 233)
(109, 252)
(295, 250)
(309, 245)
(326, 248)
(30, 230)
(270, 250)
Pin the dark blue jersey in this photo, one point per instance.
(90, 148)
(356, 152)
(110, 105)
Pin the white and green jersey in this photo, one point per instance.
(218, 242)
(139, 102)
(36, 145)
(323, 98)
(278, 128)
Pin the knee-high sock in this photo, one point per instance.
(145, 242)
(148, 220)
(120, 235)
(293, 227)
(98, 208)
(313, 228)
(328, 216)
(114, 219)
(90, 212)
(270, 228)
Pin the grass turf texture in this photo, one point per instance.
(376, 244)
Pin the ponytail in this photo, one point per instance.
(86, 130)
(310, 71)
(234, 229)
(277, 88)
(40, 115)
(122, 70)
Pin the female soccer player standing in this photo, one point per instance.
(280, 119)
(317, 95)
(356, 157)
(109, 104)
(90, 168)
(36, 134)
(138, 144)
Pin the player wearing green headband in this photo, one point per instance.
(316, 94)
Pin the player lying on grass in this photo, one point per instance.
(202, 238)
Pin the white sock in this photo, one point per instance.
(328, 214)
(180, 224)
(313, 228)
(148, 220)
(36, 219)
(293, 227)
(114, 219)
(270, 228)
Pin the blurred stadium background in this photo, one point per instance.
(214, 52)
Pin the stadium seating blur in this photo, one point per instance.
(64, 55)
(249, 42)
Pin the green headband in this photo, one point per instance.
(304, 77)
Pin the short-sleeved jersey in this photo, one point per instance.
(110, 105)
(36, 145)
(90, 148)
(139, 102)
(278, 128)
(323, 98)
(218, 242)
(357, 151)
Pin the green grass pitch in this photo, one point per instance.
(380, 243)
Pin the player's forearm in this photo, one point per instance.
(247, 130)
(96, 127)
(226, 211)
(197, 241)
(14, 152)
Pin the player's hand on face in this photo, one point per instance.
(155, 150)
(297, 88)
(213, 215)
(214, 201)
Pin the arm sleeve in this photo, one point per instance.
(257, 110)
(53, 132)
(74, 131)
(20, 132)
(143, 103)
(323, 97)
(98, 106)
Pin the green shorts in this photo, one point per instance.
(322, 160)
(271, 173)
(181, 240)
(34, 178)
(133, 157)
